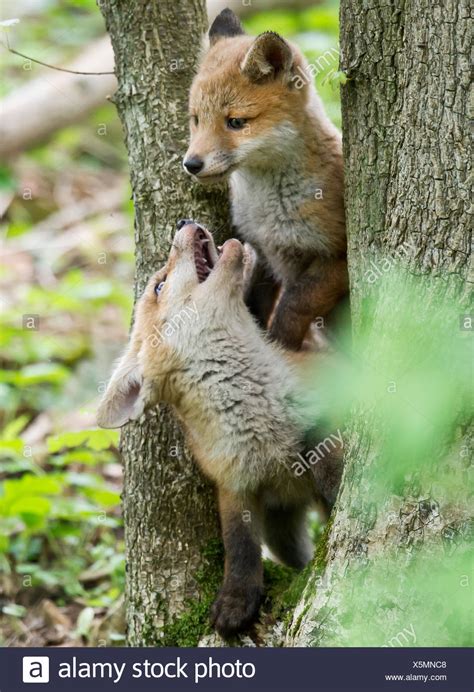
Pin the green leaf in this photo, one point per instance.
(103, 497)
(7, 179)
(31, 485)
(39, 506)
(96, 439)
(12, 429)
(18, 611)
(84, 622)
(36, 373)
(15, 446)
(116, 637)
(103, 439)
(335, 78)
(81, 456)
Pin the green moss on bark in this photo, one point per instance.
(283, 590)
(193, 623)
(321, 552)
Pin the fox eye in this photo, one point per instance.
(159, 287)
(195, 120)
(236, 123)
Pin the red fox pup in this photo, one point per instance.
(255, 120)
(195, 345)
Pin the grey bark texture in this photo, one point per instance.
(169, 509)
(407, 165)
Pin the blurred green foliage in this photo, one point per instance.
(61, 534)
(425, 601)
(411, 367)
(408, 380)
(48, 513)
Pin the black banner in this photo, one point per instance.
(219, 670)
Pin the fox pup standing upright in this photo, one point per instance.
(254, 118)
(239, 400)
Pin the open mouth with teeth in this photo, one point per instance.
(203, 259)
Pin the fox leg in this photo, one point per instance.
(286, 534)
(238, 601)
(314, 294)
(262, 293)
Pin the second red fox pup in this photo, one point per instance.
(255, 118)
(195, 345)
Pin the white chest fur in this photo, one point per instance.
(237, 403)
(268, 210)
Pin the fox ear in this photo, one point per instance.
(123, 400)
(268, 57)
(225, 25)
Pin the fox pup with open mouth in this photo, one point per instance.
(195, 345)
(255, 118)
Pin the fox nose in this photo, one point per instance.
(183, 222)
(193, 165)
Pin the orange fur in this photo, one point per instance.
(286, 172)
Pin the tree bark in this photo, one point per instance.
(171, 526)
(406, 149)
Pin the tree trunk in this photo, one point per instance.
(171, 526)
(406, 151)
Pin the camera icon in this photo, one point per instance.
(35, 668)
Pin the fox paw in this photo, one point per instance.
(235, 608)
